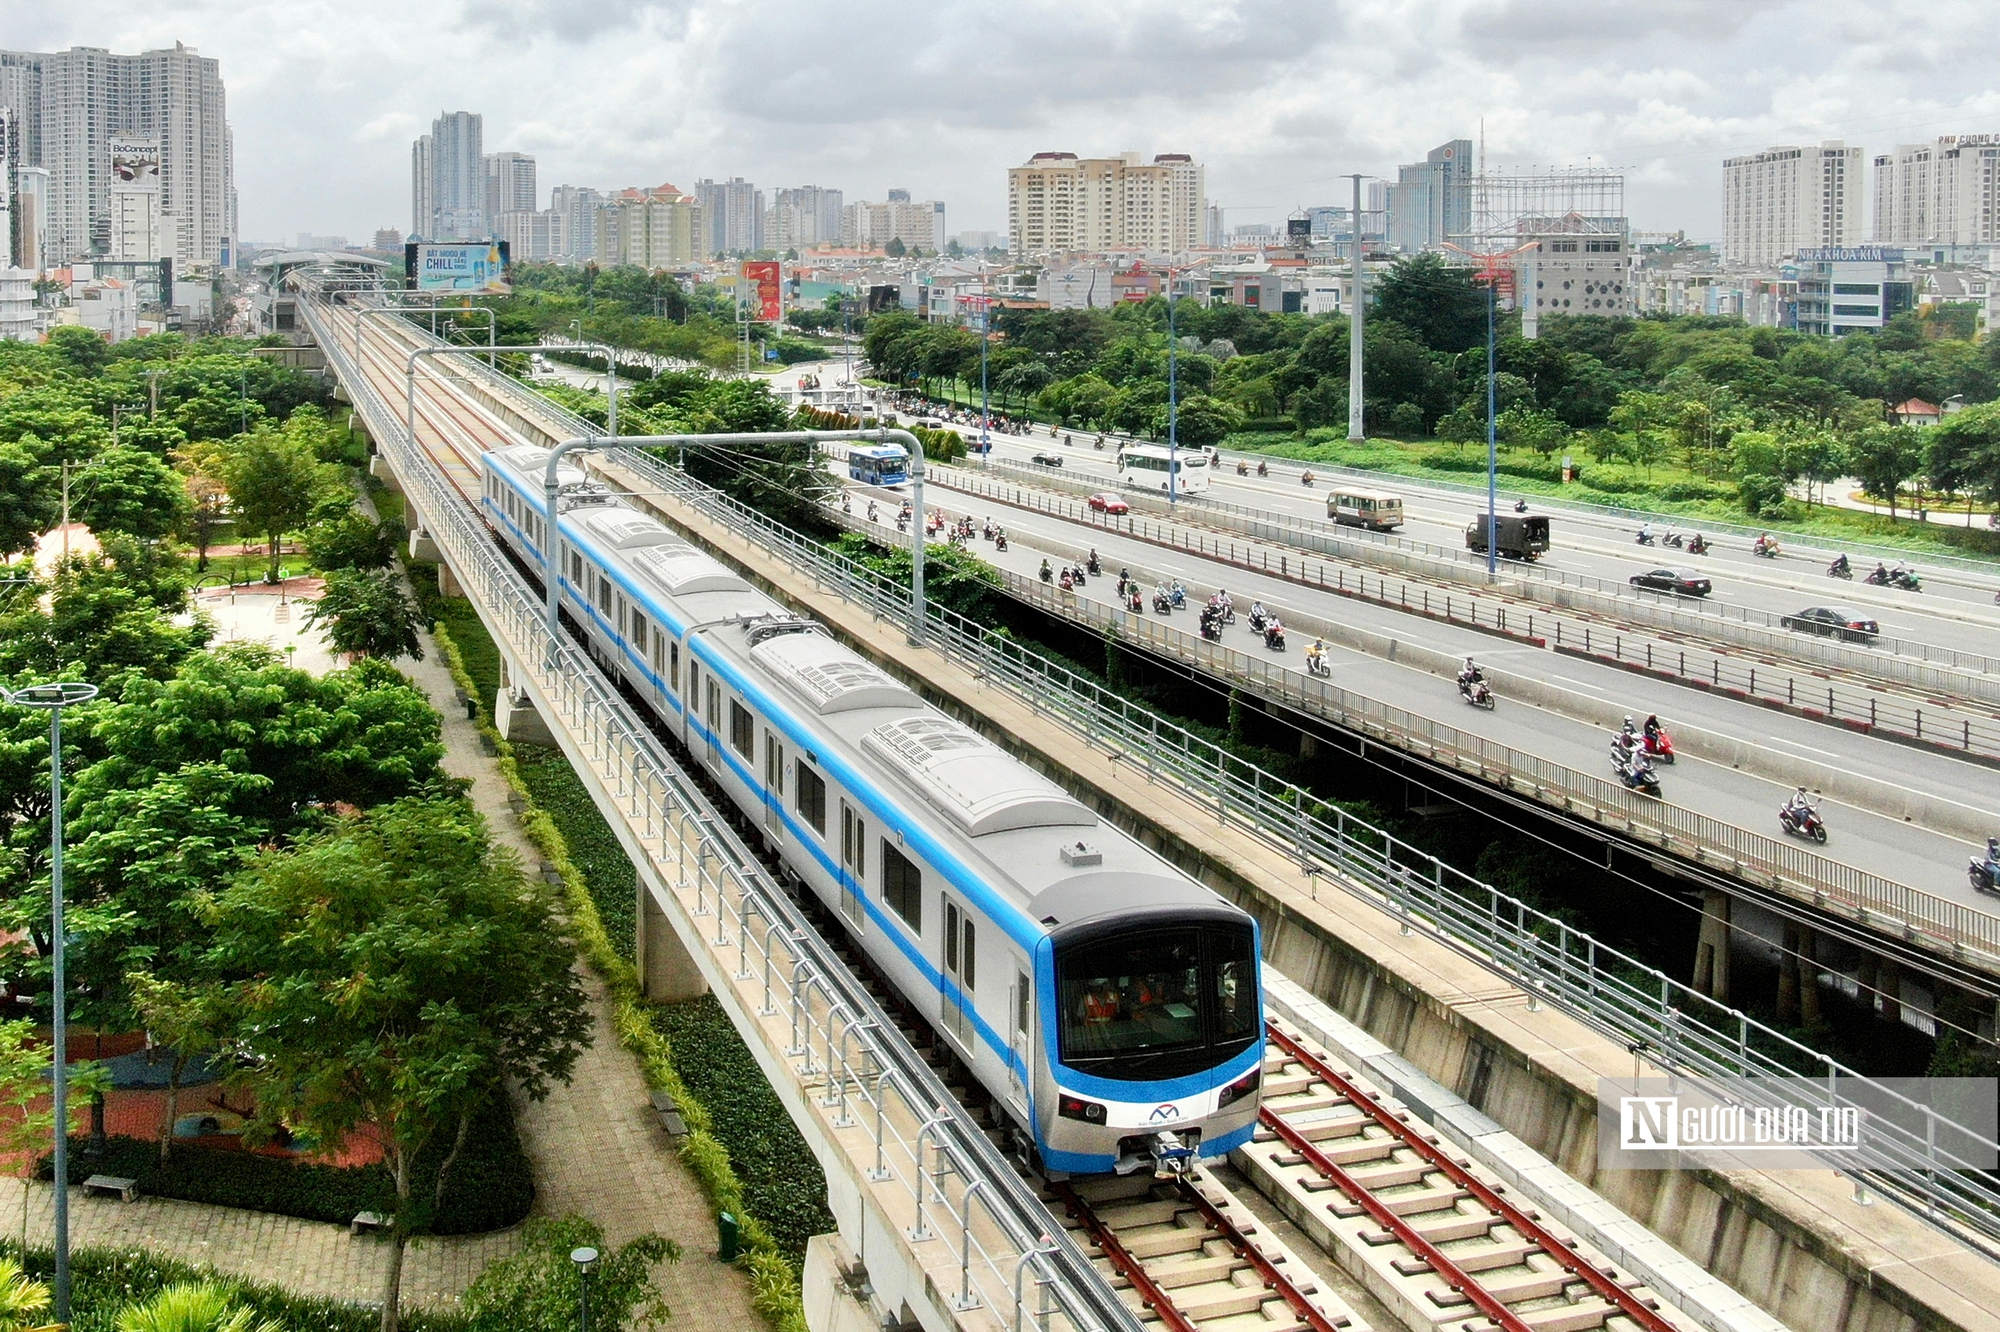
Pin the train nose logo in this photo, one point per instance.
(1162, 1113)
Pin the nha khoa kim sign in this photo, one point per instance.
(1847, 1124)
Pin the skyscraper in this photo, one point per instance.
(448, 179)
(510, 183)
(735, 212)
(1789, 198)
(1946, 192)
(1058, 202)
(808, 215)
(1430, 202)
(71, 103)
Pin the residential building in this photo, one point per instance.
(313, 241)
(12, 150)
(30, 217)
(531, 236)
(1213, 234)
(919, 225)
(387, 238)
(17, 304)
(1943, 193)
(1847, 288)
(974, 241)
(807, 215)
(510, 183)
(1578, 266)
(579, 207)
(1430, 202)
(1059, 202)
(657, 228)
(448, 179)
(735, 215)
(1785, 199)
(71, 103)
(106, 305)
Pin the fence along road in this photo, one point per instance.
(1638, 1006)
(876, 1113)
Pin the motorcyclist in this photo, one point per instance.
(1839, 565)
(1178, 593)
(1258, 615)
(1316, 654)
(1652, 730)
(1263, 469)
(871, 511)
(1645, 534)
(1470, 675)
(1095, 565)
(1799, 806)
(1048, 571)
(1306, 478)
(1697, 543)
(1881, 574)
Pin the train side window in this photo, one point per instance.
(811, 799)
(902, 886)
(1020, 1003)
(714, 706)
(950, 936)
(659, 650)
(853, 842)
(742, 732)
(674, 667)
(638, 634)
(967, 954)
(774, 766)
(603, 594)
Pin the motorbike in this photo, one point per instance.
(1840, 569)
(1258, 618)
(1659, 746)
(1316, 663)
(1764, 549)
(1135, 602)
(1099, 446)
(1076, 572)
(1305, 478)
(1645, 538)
(1066, 583)
(1476, 692)
(1634, 771)
(1242, 469)
(1877, 577)
(1984, 875)
(1674, 539)
(1000, 542)
(1095, 565)
(1161, 605)
(1274, 636)
(1806, 823)
(1520, 506)
(1178, 596)
(1907, 579)
(1263, 469)
(1696, 545)
(1048, 574)
(1211, 628)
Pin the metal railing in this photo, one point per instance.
(874, 1090)
(1642, 1008)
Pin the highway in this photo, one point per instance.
(1904, 852)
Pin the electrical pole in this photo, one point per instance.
(1173, 398)
(1356, 433)
(1492, 450)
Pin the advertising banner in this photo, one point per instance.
(135, 162)
(478, 266)
(766, 284)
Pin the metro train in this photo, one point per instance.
(1110, 1004)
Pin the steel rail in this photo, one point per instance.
(1567, 1258)
(1232, 1235)
(1151, 1294)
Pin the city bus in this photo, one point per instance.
(879, 464)
(1145, 466)
(1376, 509)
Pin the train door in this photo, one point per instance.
(959, 969)
(1017, 1041)
(774, 785)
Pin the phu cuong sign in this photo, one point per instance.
(1847, 1124)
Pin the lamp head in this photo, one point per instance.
(63, 695)
(584, 1258)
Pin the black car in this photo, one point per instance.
(1681, 582)
(1047, 460)
(1834, 621)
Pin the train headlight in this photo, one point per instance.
(1075, 1107)
(1240, 1088)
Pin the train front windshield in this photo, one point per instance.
(1157, 1003)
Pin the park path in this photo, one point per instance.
(595, 1145)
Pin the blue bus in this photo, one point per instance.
(879, 465)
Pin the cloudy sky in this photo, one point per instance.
(1278, 99)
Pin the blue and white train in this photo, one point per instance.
(1109, 1003)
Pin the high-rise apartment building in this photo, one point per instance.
(735, 212)
(657, 228)
(579, 207)
(1789, 198)
(138, 224)
(11, 149)
(1430, 202)
(916, 225)
(448, 179)
(1061, 202)
(1946, 192)
(30, 217)
(510, 183)
(71, 103)
(808, 215)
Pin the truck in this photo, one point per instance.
(1522, 536)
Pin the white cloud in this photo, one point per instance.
(942, 97)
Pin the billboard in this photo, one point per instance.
(478, 266)
(135, 162)
(767, 293)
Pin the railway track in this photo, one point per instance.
(1436, 1243)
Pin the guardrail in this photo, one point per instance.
(1854, 703)
(1649, 1012)
(870, 1085)
(1924, 665)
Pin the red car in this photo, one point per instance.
(1106, 502)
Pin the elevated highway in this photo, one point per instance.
(868, 1110)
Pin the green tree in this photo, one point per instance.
(536, 1289)
(193, 1306)
(23, 1300)
(396, 974)
(129, 490)
(30, 494)
(100, 616)
(1202, 420)
(1527, 428)
(366, 613)
(275, 481)
(1436, 301)
(1884, 457)
(81, 349)
(1962, 452)
(1763, 467)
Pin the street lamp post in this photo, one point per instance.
(985, 403)
(1173, 398)
(53, 698)
(1492, 452)
(585, 1259)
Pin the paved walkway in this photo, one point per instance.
(595, 1146)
